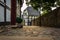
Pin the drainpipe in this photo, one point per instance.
(13, 12)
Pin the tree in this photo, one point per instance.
(44, 4)
(20, 3)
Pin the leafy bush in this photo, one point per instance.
(18, 20)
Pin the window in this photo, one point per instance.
(8, 15)
(2, 0)
(2, 11)
(8, 3)
(1, 14)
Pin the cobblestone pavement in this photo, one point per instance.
(23, 38)
(34, 31)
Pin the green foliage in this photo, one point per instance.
(45, 4)
(18, 20)
(19, 2)
(45, 12)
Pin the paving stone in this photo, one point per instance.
(34, 31)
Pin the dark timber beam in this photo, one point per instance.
(6, 6)
(13, 12)
(3, 5)
(5, 12)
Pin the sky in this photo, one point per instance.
(24, 6)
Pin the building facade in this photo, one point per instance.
(7, 12)
(30, 14)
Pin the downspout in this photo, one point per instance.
(13, 12)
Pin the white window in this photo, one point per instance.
(8, 3)
(8, 15)
(1, 14)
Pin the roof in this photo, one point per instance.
(31, 11)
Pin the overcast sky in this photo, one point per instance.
(24, 6)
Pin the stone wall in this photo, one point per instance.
(49, 19)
